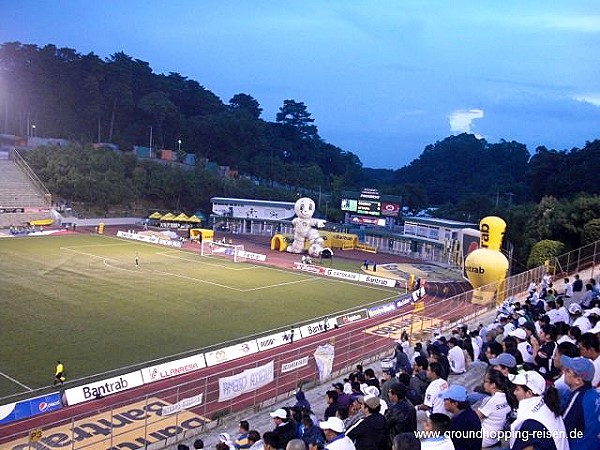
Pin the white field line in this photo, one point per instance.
(91, 255)
(199, 280)
(169, 255)
(15, 381)
(110, 266)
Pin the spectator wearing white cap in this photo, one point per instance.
(538, 423)
(369, 433)
(582, 414)
(225, 438)
(334, 429)
(577, 319)
(285, 429)
(523, 345)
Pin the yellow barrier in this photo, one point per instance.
(279, 242)
(41, 222)
(202, 234)
(366, 248)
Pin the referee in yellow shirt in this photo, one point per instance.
(59, 377)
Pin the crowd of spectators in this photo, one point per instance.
(540, 387)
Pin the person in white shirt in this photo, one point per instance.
(538, 423)
(546, 281)
(589, 346)
(333, 429)
(495, 408)
(578, 320)
(433, 402)
(532, 288)
(552, 312)
(564, 313)
(476, 343)
(568, 289)
(456, 357)
(523, 346)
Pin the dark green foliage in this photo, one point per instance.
(550, 195)
(544, 251)
(591, 231)
(118, 100)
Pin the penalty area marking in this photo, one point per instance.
(8, 377)
(195, 260)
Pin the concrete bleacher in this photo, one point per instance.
(18, 191)
(260, 420)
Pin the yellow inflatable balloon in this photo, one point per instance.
(492, 230)
(485, 266)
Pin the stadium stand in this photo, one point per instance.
(23, 198)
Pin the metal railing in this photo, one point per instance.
(137, 417)
(33, 178)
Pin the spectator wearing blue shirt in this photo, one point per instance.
(465, 425)
(582, 414)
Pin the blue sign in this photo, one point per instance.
(30, 407)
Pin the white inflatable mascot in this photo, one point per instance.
(303, 229)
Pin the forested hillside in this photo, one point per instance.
(118, 100)
(543, 193)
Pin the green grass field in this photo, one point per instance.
(81, 299)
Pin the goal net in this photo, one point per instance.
(231, 251)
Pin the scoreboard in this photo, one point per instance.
(370, 203)
(368, 207)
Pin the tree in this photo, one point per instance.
(543, 251)
(245, 103)
(591, 231)
(158, 107)
(294, 115)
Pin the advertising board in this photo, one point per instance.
(103, 388)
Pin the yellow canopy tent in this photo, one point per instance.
(194, 219)
(181, 218)
(155, 215)
(168, 216)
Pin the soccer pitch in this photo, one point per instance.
(83, 300)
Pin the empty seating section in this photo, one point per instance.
(18, 191)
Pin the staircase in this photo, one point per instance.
(23, 197)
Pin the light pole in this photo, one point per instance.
(179, 144)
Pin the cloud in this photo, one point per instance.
(594, 99)
(586, 24)
(462, 119)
